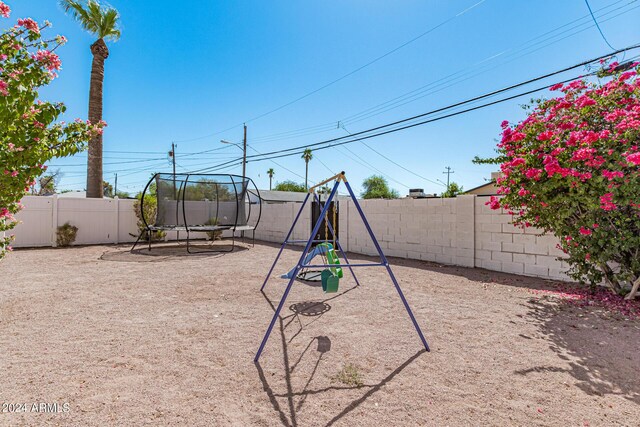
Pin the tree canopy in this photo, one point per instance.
(377, 187)
(290, 186)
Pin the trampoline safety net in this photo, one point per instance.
(186, 200)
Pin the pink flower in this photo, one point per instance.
(634, 158)
(544, 136)
(611, 175)
(493, 203)
(606, 202)
(48, 59)
(585, 231)
(4, 10)
(533, 173)
(14, 174)
(556, 86)
(504, 124)
(584, 154)
(29, 24)
(3, 88)
(518, 161)
(627, 75)
(584, 101)
(522, 192)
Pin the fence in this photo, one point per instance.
(458, 231)
(98, 220)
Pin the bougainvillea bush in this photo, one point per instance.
(30, 133)
(571, 168)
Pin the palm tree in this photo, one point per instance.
(270, 172)
(101, 21)
(307, 156)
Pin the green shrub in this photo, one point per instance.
(150, 212)
(66, 234)
(214, 235)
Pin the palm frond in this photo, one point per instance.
(98, 19)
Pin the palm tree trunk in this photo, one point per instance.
(306, 174)
(270, 183)
(94, 162)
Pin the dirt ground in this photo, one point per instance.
(166, 338)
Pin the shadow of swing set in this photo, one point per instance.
(331, 271)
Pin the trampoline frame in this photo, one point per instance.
(192, 228)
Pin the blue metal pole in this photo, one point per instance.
(295, 272)
(386, 263)
(284, 243)
(346, 260)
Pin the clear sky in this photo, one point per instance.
(185, 71)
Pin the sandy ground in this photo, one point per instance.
(165, 338)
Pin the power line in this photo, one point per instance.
(419, 93)
(448, 107)
(598, 25)
(344, 76)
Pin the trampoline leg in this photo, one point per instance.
(137, 240)
(149, 239)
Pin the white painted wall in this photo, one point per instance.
(457, 231)
(98, 220)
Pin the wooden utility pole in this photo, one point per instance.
(448, 172)
(244, 154)
(173, 160)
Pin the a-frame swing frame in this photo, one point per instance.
(339, 178)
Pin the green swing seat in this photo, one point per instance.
(331, 276)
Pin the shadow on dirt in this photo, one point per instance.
(296, 399)
(581, 336)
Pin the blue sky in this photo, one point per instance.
(184, 72)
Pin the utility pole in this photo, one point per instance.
(172, 154)
(448, 172)
(244, 154)
(115, 188)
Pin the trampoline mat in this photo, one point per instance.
(311, 276)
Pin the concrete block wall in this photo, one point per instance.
(501, 246)
(458, 231)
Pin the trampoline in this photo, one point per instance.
(201, 203)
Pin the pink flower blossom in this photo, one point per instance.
(493, 203)
(544, 136)
(48, 59)
(583, 154)
(627, 75)
(29, 24)
(556, 86)
(533, 173)
(606, 202)
(585, 231)
(3, 88)
(611, 175)
(4, 10)
(634, 158)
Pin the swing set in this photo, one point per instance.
(328, 249)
